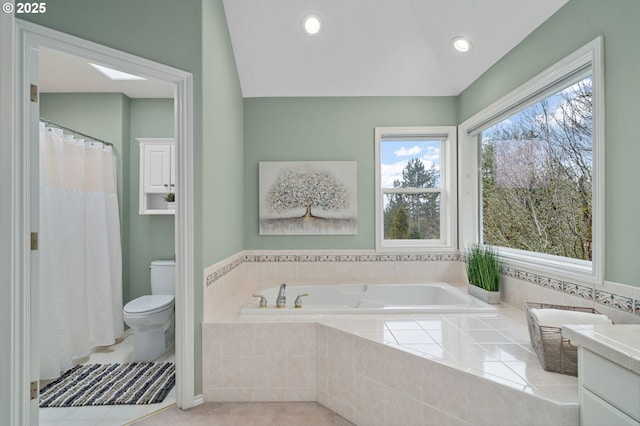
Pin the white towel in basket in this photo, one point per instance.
(560, 317)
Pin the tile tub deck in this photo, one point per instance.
(466, 369)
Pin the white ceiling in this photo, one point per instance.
(64, 73)
(374, 47)
(365, 48)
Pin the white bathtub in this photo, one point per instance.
(370, 299)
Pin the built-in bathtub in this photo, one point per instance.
(370, 299)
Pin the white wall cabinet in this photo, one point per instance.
(157, 174)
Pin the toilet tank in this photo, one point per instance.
(163, 277)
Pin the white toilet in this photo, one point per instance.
(151, 317)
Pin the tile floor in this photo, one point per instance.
(248, 413)
(106, 415)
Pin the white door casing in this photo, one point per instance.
(28, 39)
(34, 253)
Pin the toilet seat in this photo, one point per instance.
(148, 304)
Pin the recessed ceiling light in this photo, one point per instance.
(312, 24)
(115, 74)
(461, 44)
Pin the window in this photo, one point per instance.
(415, 188)
(537, 175)
(537, 193)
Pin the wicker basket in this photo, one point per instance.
(554, 352)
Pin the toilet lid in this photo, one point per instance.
(149, 303)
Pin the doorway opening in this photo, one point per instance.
(33, 39)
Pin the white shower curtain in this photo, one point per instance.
(80, 252)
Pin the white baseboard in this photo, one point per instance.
(198, 400)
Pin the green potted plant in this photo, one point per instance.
(483, 272)
(170, 198)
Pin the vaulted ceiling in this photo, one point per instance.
(374, 47)
(364, 48)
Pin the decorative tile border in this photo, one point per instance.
(577, 290)
(550, 283)
(622, 303)
(615, 301)
(219, 273)
(285, 258)
(316, 258)
(509, 272)
(528, 277)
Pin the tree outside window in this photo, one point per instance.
(537, 176)
(420, 211)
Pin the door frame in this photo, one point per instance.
(29, 38)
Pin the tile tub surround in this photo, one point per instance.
(621, 303)
(229, 284)
(262, 361)
(538, 396)
(462, 369)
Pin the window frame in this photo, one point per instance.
(448, 191)
(539, 87)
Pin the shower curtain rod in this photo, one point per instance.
(44, 120)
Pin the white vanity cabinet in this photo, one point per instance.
(609, 393)
(157, 174)
(608, 373)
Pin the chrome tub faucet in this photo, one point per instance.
(281, 301)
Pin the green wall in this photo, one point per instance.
(323, 129)
(222, 148)
(219, 230)
(576, 24)
(151, 237)
(117, 119)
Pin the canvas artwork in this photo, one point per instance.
(308, 198)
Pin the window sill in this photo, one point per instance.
(415, 249)
(554, 266)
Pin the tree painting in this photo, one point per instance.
(312, 189)
(307, 197)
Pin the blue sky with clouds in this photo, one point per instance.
(395, 154)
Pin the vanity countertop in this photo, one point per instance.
(619, 343)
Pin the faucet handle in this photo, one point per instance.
(263, 300)
(298, 302)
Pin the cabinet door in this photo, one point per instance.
(596, 412)
(157, 168)
(611, 382)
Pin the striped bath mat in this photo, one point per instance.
(110, 384)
